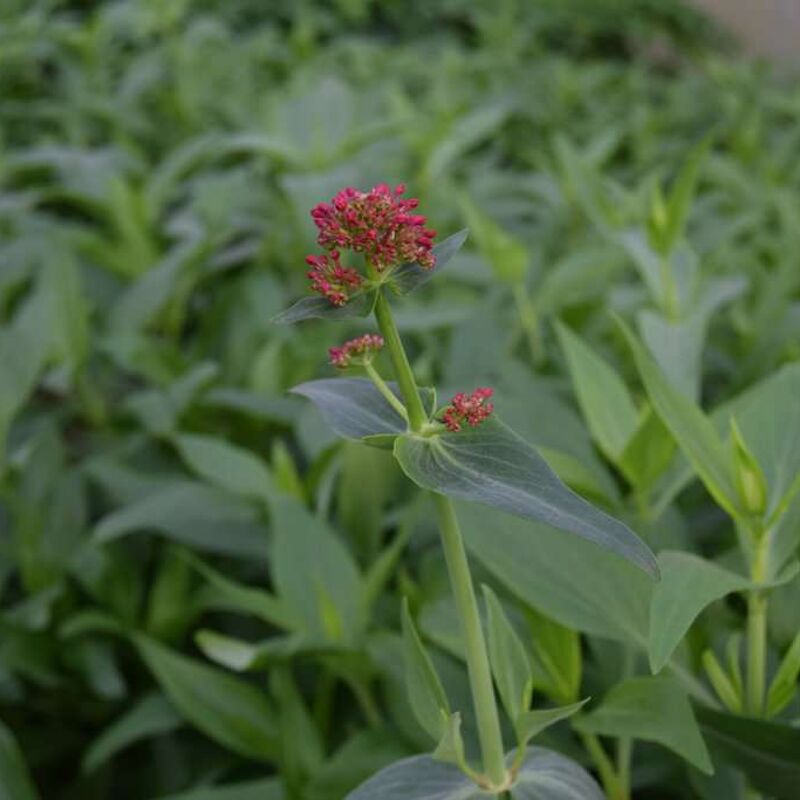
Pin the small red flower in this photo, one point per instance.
(331, 279)
(360, 350)
(378, 224)
(472, 409)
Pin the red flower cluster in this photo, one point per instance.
(472, 409)
(331, 279)
(362, 347)
(378, 224)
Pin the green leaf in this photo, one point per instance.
(151, 716)
(652, 709)
(227, 709)
(506, 255)
(767, 752)
(316, 307)
(682, 194)
(492, 465)
(603, 397)
(408, 277)
(694, 432)
(543, 775)
(557, 658)
(783, 688)
(231, 468)
(648, 452)
(531, 723)
(450, 748)
(688, 584)
(191, 513)
(425, 691)
(576, 584)
(315, 575)
(354, 408)
(15, 779)
(242, 656)
(510, 664)
(727, 688)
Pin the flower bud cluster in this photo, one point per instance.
(331, 279)
(471, 409)
(377, 224)
(358, 351)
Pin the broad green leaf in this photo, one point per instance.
(227, 709)
(688, 584)
(492, 465)
(530, 723)
(603, 397)
(316, 307)
(783, 688)
(315, 576)
(567, 579)
(354, 408)
(266, 789)
(15, 779)
(191, 513)
(225, 465)
(151, 716)
(652, 709)
(693, 431)
(425, 691)
(408, 277)
(767, 752)
(543, 775)
(510, 663)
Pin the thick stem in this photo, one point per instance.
(480, 676)
(405, 377)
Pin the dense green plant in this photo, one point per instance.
(628, 288)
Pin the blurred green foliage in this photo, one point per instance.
(157, 164)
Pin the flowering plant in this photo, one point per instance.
(462, 452)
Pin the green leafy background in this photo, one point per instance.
(200, 586)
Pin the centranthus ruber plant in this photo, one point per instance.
(376, 246)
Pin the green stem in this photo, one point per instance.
(605, 768)
(757, 631)
(405, 377)
(480, 676)
(380, 385)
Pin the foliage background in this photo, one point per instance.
(157, 164)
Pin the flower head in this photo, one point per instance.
(360, 350)
(331, 279)
(377, 223)
(470, 408)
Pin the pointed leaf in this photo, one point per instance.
(652, 709)
(225, 708)
(510, 664)
(692, 429)
(688, 584)
(425, 691)
(784, 685)
(151, 716)
(492, 465)
(531, 723)
(354, 408)
(450, 749)
(603, 397)
(408, 277)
